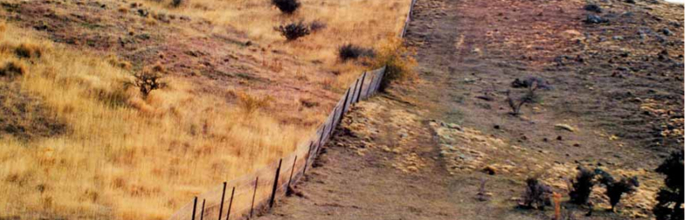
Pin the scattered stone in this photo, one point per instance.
(559, 138)
(576, 145)
(593, 8)
(496, 127)
(595, 19)
(565, 127)
(618, 37)
(630, 1)
(666, 32)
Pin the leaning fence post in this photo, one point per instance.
(361, 86)
(368, 89)
(354, 92)
(273, 191)
(202, 212)
(230, 204)
(223, 195)
(290, 179)
(318, 146)
(306, 161)
(256, 183)
(194, 207)
(344, 109)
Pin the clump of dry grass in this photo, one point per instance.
(398, 60)
(249, 103)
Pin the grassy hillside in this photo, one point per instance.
(80, 140)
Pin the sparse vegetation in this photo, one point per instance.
(294, 30)
(515, 104)
(286, 6)
(536, 195)
(616, 189)
(398, 60)
(670, 198)
(581, 186)
(317, 25)
(350, 52)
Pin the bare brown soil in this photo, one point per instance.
(615, 102)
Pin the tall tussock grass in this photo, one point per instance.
(125, 154)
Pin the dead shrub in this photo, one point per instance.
(536, 195)
(12, 69)
(351, 52)
(250, 104)
(398, 60)
(294, 30)
(515, 104)
(616, 189)
(581, 187)
(286, 6)
(149, 79)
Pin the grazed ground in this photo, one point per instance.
(418, 152)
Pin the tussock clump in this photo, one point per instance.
(398, 60)
(286, 6)
(581, 186)
(28, 50)
(250, 104)
(616, 189)
(670, 198)
(150, 79)
(12, 69)
(350, 52)
(536, 194)
(294, 30)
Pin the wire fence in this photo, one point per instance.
(256, 192)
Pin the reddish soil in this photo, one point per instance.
(618, 85)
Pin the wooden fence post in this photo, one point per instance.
(368, 89)
(223, 195)
(306, 160)
(290, 179)
(230, 204)
(194, 207)
(202, 212)
(344, 109)
(256, 183)
(273, 191)
(354, 92)
(323, 132)
(361, 86)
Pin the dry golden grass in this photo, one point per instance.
(122, 152)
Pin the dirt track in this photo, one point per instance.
(394, 160)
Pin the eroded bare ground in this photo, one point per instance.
(615, 102)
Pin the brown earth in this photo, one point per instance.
(615, 102)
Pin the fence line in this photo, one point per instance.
(254, 193)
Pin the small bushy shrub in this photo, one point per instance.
(670, 198)
(582, 186)
(398, 60)
(149, 79)
(294, 30)
(28, 50)
(286, 6)
(350, 52)
(536, 194)
(616, 189)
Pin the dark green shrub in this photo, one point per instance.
(582, 186)
(286, 6)
(670, 198)
(294, 30)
